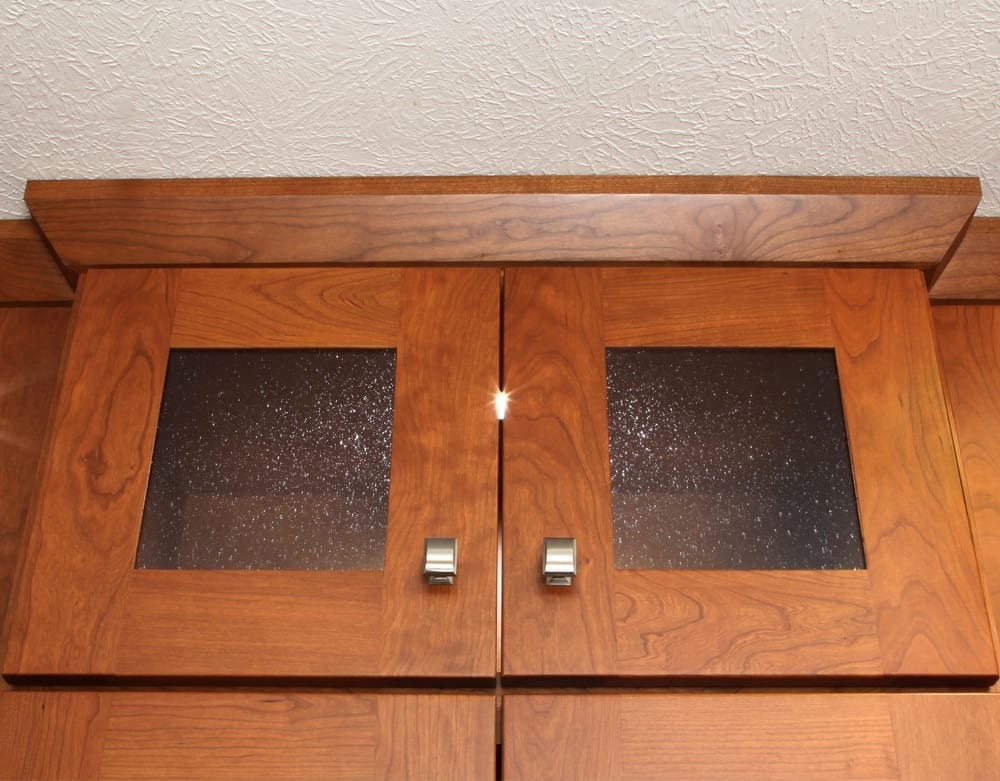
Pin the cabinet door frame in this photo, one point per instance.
(917, 610)
(80, 606)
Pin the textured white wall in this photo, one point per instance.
(122, 88)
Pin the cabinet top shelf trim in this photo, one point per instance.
(657, 219)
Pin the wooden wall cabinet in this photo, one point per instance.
(81, 608)
(463, 329)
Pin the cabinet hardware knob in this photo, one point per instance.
(440, 560)
(559, 561)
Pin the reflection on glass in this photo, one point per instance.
(730, 459)
(271, 459)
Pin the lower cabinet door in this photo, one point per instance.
(750, 736)
(218, 735)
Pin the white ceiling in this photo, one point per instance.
(126, 88)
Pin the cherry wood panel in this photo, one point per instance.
(929, 601)
(973, 272)
(511, 220)
(444, 474)
(554, 736)
(272, 308)
(698, 736)
(166, 735)
(739, 622)
(946, 736)
(969, 345)
(436, 736)
(244, 735)
(557, 483)
(244, 623)
(28, 270)
(556, 480)
(31, 340)
(55, 735)
(443, 482)
(918, 610)
(66, 607)
(743, 307)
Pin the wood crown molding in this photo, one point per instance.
(973, 271)
(510, 220)
(29, 272)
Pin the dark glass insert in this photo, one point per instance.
(271, 459)
(730, 459)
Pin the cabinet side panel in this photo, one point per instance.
(556, 479)
(31, 340)
(443, 480)
(930, 606)
(84, 526)
(28, 269)
(52, 735)
(969, 341)
(973, 272)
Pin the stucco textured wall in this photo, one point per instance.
(122, 88)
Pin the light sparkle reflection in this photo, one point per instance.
(500, 401)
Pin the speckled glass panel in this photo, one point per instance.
(730, 459)
(271, 460)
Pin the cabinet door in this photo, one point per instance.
(660, 736)
(246, 735)
(740, 736)
(82, 606)
(915, 608)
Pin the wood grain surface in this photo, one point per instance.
(29, 271)
(123, 621)
(799, 737)
(444, 474)
(510, 220)
(969, 345)
(65, 610)
(55, 735)
(741, 622)
(548, 736)
(946, 736)
(313, 735)
(741, 307)
(436, 736)
(925, 614)
(265, 623)
(31, 342)
(929, 603)
(287, 308)
(203, 737)
(245, 735)
(556, 480)
(973, 272)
